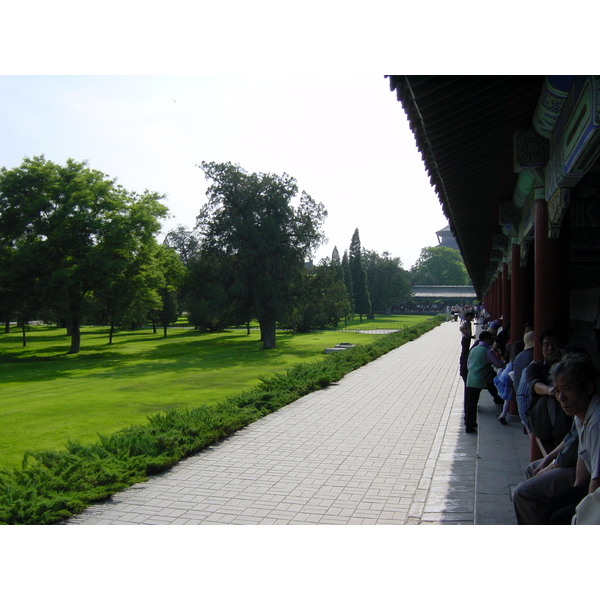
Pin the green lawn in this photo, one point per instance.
(48, 397)
(385, 322)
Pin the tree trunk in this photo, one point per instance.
(24, 335)
(165, 313)
(112, 331)
(75, 335)
(267, 333)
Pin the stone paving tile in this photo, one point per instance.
(383, 446)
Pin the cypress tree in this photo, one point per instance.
(362, 301)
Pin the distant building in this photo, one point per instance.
(445, 238)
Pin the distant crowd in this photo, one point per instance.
(557, 402)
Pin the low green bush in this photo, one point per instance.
(53, 485)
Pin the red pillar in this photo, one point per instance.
(506, 312)
(517, 294)
(517, 303)
(551, 290)
(551, 301)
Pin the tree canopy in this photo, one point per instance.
(70, 232)
(251, 219)
(388, 283)
(438, 265)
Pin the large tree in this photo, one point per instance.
(438, 265)
(388, 282)
(322, 300)
(77, 226)
(258, 219)
(172, 273)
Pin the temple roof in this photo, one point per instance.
(464, 128)
(443, 291)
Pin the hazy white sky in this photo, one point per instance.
(296, 88)
(345, 140)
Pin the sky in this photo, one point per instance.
(346, 141)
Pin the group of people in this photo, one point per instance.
(558, 403)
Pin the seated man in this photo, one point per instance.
(545, 418)
(546, 477)
(574, 380)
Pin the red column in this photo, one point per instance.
(506, 312)
(517, 294)
(551, 289)
(517, 303)
(551, 300)
(499, 294)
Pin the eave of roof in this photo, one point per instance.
(464, 128)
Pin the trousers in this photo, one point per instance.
(531, 496)
(470, 406)
(561, 506)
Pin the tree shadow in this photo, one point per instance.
(190, 351)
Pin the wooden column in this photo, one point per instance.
(551, 301)
(517, 294)
(506, 308)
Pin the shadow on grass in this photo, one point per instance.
(189, 351)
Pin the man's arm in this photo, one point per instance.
(543, 389)
(548, 463)
(493, 358)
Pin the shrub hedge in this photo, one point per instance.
(53, 485)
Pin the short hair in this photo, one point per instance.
(469, 314)
(549, 332)
(485, 335)
(578, 368)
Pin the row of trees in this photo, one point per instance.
(75, 243)
(76, 246)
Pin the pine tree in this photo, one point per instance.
(348, 278)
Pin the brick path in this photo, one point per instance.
(383, 446)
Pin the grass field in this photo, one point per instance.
(48, 397)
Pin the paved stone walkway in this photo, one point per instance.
(385, 445)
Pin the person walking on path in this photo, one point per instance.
(480, 364)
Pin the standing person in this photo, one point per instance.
(465, 343)
(480, 375)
